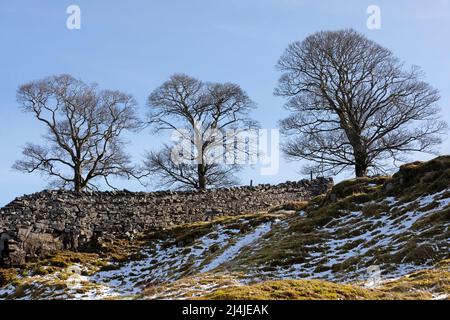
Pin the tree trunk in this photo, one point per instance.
(78, 180)
(361, 165)
(201, 176)
(360, 170)
(359, 151)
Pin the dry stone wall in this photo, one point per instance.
(36, 224)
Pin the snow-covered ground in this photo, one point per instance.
(234, 249)
(383, 231)
(159, 263)
(163, 261)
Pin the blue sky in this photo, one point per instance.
(135, 45)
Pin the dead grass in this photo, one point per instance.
(7, 276)
(298, 290)
(425, 284)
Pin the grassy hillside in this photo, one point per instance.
(321, 249)
(399, 223)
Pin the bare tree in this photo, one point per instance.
(196, 111)
(84, 125)
(354, 105)
(185, 175)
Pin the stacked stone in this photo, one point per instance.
(35, 224)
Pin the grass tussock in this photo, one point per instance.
(425, 284)
(298, 290)
(7, 276)
(64, 259)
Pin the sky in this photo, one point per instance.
(135, 45)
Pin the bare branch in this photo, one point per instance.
(84, 125)
(353, 104)
(194, 109)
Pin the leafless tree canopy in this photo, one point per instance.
(354, 105)
(194, 109)
(84, 125)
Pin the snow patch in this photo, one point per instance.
(233, 250)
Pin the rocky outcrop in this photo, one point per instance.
(39, 223)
